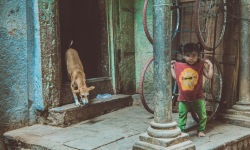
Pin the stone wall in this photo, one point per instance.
(20, 64)
(14, 102)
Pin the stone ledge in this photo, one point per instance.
(241, 143)
(236, 112)
(239, 118)
(69, 114)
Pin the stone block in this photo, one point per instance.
(69, 114)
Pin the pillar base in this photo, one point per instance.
(167, 130)
(180, 142)
(164, 136)
(239, 115)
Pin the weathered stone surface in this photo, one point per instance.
(50, 52)
(125, 124)
(69, 114)
(221, 136)
(128, 124)
(103, 137)
(236, 117)
(13, 63)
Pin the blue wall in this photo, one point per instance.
(20, 76)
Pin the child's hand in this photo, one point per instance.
(208, 72)
(208, 62)
(172, 69)
(173, 61)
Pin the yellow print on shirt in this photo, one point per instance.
(188, 79)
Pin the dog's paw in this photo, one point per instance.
(85, 102)
(77, 103)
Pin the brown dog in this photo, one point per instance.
(77, 75)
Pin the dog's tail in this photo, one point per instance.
(71, 42)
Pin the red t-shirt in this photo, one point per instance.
(189, 79)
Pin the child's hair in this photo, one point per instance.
(190, 47)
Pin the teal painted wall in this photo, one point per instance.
(13, 64)
(19, 63)
(143, 49)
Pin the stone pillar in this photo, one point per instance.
(239, 114)
(163, 132)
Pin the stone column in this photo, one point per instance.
(163, 132)
(239, 114)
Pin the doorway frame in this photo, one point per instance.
(51, 50)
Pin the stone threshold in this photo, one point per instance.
(69, 114)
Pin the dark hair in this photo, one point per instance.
(190, 47)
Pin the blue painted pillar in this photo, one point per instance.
(162, 71)
(162, 58)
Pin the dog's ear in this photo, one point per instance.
(91, 88)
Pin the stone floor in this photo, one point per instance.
(120, 130)
(1, 143)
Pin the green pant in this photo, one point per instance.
(199, 106)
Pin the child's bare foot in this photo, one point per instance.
(201, 134)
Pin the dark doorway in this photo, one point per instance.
(79, 21)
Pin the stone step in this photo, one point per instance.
(234, 118)
(236, 112)
(69, 114)
(102, 85)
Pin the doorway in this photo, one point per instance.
(79, 21)
(84, 22)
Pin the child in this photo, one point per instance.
(189, 78)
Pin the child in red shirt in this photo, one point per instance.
(189, 79)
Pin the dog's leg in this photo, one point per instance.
(85, 101)
(74, 95)
(76, 99)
